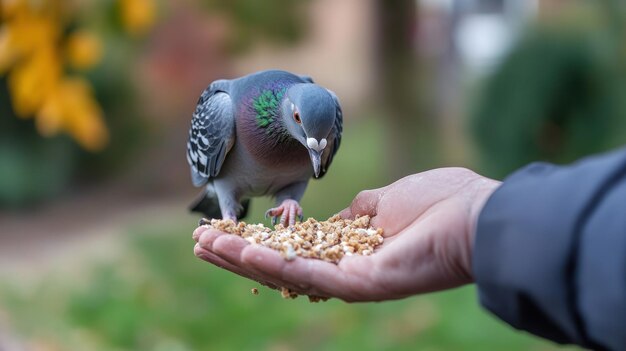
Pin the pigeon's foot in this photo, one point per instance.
(288, 211)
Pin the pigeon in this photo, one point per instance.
(264, 134)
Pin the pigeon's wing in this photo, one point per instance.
(335, 137)
(212, 134)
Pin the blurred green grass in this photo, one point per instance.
(160, 297)
(155, 295)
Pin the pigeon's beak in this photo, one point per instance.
(315, 151)
(316, 160)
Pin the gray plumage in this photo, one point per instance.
(263, 134)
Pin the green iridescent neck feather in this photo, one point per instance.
(267, 113)
(267, 106)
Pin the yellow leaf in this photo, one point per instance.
(7, 54)
(30, 31)
(9, 8)
(33, 79)
(84, 119)
(137, 15)
(83, 49)
(23, 34)
(72, 107)
(50, 117)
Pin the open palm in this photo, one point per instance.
(428, 219)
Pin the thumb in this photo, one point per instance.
(365, 203)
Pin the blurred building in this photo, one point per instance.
(338, 51)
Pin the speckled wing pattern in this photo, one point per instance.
(336, 132)
(211, 136)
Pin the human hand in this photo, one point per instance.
(428, 220)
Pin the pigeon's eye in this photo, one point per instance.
(296, 116)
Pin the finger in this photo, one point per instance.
(365, 203)
(346, 213)
(255, 256)
(314, 277)
(198, 232)
(218, 261)
(230, 262)
(226, 249)
(231, 251)
(209, 236)
(229, 248)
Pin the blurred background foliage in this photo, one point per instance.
(95, 104)
(281, 21)
(560, 93)
(60, 79)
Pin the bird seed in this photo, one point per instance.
(328, 240)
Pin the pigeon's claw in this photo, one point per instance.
(288, 211)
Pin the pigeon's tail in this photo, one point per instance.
(207, 204)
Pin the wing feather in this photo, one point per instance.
(211, 136)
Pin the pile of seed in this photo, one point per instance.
(329, 240)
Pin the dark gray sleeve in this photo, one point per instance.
(550, 251)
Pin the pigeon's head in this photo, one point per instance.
(309, 113)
